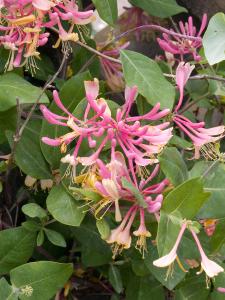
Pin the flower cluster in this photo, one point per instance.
(197, 132)
(184, 45)
(25, 23)
(121, 172)
(138, 138)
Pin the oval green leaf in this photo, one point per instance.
(144, 72)
(13, 87)
(63, 207)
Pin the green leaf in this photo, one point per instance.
(103, 228)
(192, 288)
(143, 288)
(14, 87)
(17, 246)
(213, 183)
(87, 193)
(214, 39)
(31, 226)
(186, 199)
(159, 8)
(138, 196)
(63, 207)
(107, 10)
(6, 290)
(115, 278)
(82, 56)
(94, 251)
(167, 232)
(29, 158)
(7, 122)
(71, 94)
(44, 278)
(34, 210)
(40, 238)
(55, 237)
(173, 166)
(145, 73)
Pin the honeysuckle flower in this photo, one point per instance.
(140, 143)
(167, 260)
(183, 73)
(221, 289)
(113, 71)
(183, 46)
(120, 238)
(142, 233)
(210, 267)
(199, 135)
(24, 27)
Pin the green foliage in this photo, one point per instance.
(173, 166)
(64, 241)
(107, 10)
(115, 278)
(159, 8)
(141, 288)
(213, 174)
(33, 210)
(30, 159)
(63, 207)
(17, 246)
(213, 40)
(13, 87)
(103, 228)
(138, 196)
(144, 72)
(44, 278)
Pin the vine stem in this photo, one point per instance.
(158, 28)
(196, 77)
(48, 83)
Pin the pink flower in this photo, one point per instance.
(113, 71)
(25, 23)
(139, 142)
(168, 259)
(142, 234)
(221, 289)
(197, 133)
(184, 46)
(120, 238)
(183, 73)
(210, 267)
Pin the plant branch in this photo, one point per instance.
(98, 53)
(199, 77)
(196, 77)
(157, 28)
